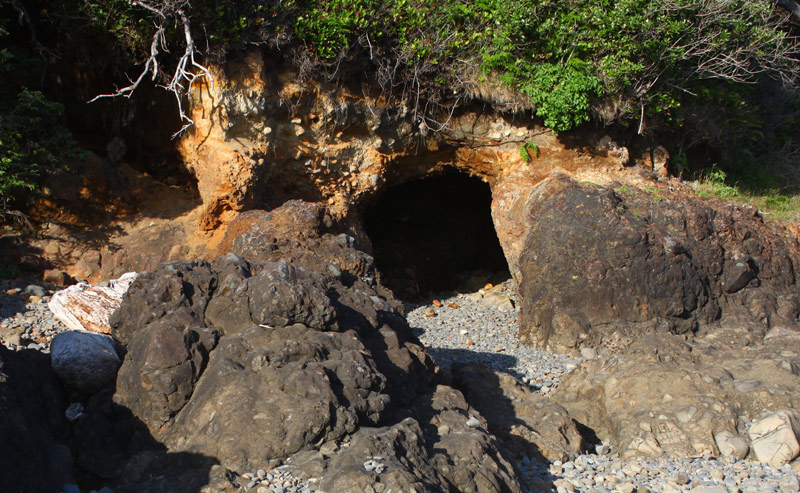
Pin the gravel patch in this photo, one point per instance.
(25, 320)
(606, 474)
(277, 480)
(471, 328)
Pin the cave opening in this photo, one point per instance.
(434, 235)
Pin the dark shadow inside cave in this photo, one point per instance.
(435, 234)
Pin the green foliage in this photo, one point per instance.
(562, 93)
(9, 271)
(571, 58)
(713, 183)
(33, 141)
(524, 148)
(566, 56)
(691, 69)
(623, 189)
(330, 25)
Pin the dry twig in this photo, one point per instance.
(186, 71)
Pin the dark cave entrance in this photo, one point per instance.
(435, 234)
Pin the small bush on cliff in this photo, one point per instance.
(33, 141)
(526, 149)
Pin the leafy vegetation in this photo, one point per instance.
(528, 148)
(615, 59)
(713, 80)
(33, 139)
(713, 183)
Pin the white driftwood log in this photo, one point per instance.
(87, 307)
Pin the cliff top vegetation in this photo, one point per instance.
(716, 78)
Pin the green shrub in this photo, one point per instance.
(713, 183)
(711, 79)
(33, 141)
(524, 148)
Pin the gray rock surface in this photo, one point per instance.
(84, 361)
(530, 424)
(663, 395)
(290, 386)
(302, 359)
(435, 450)
(280, 295)
(178, 291)
(161, 367)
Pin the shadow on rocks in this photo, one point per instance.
(33, 431)
(113, 448)
(531, 428)
(105, 446)
(446, 357)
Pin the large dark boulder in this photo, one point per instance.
(287, 344)
(258, 360)
(601, 266)
(279, 295)
(166, 362)
(291, 387)
(301, 233)
(33, 430)
(219, 352)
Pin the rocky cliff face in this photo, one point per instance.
(262, 138)
(271, 320)
(603, 265)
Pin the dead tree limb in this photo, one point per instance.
(187, 70)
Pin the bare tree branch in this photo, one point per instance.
(187, 70)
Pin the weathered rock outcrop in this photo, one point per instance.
(297, 354)
(602, 266)
(662, 395)
(435, 450)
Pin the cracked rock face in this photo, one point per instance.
(221, 351)
(603, 266)
(249, 360)
(665, 396)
